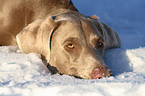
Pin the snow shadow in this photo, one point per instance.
(117, 60)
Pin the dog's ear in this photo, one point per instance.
(94, 17)
(36, 37)
(111, 38)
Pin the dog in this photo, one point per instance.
(71, 42)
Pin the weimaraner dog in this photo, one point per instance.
(70, 41)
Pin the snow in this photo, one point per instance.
(26, 75)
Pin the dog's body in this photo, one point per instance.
(71, 42)
(17, 14)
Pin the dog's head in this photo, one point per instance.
(71, 42)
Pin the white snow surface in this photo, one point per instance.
(26, 75)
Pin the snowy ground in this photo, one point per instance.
(26, 75)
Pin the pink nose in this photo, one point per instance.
(98, 73)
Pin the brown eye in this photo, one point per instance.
(70, 46)
(100, 43)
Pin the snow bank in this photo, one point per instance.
(26, 75)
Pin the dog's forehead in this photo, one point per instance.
(78, 23)
(73, 27)
(89, 28)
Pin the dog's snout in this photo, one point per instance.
(98, 73)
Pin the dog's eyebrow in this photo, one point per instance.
(72, 39)
(63, 19)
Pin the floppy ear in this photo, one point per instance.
(35, 38)
(111, 38)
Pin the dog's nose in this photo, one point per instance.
(98, 73)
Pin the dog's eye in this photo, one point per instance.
(70, 46)
(100, 43)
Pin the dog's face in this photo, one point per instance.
(73, 44)
(77, 48)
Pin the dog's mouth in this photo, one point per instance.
(52, 69)
(96, 73)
